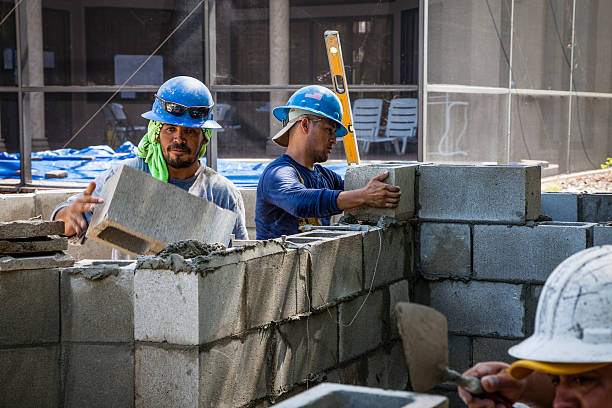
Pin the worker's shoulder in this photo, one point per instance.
(215, 180)
(134, 162)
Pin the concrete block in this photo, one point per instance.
(480, 308)
(125, 223)
(16, 207)
(387, 368)
(459, 352)
(487, 349)
(97, 303)
(445, 250)
(166, 377)
(398, 292)
(602, 235)
(234, 374)
(46, 201)
(596, 207)
(98, 375)
(304, 348)
(400, 175)
(30, 307)
(276, 287)
(30, 377)
(355, 373)
(336, 269)
(501, 194)
(386, 255)
(57, 260)
(526, 254)
(31, 246)
(187, 308)
(249, 196)
(561, 206)
(328, 395)
(89, 250)
(361, 324)
(532, 295)
(30, 229)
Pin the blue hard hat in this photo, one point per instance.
(183, 101)
(318, 100)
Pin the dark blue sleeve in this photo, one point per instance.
(282, 187)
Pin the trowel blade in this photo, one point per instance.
(425, 339)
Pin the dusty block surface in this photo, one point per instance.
(33, 246)
(17, 207)
(526, 254)
(361, 328)
(561, 206)
(98, 375)
(596, 207)
(398, 292)
(306, 346)
(186, 308)
(400, 175)
(30, 229)
(97, 307)
(125, 223)
(249, 196)
(445, 250)
(35, 261)
(233, 374)
(387, 369)
(30, 307)
(459, 352)
(90, 250)
(487, 349)
(602, 235)
(502, 194)
(386, 255)
(29, 377)
(47, 200)
(276, 287)
(166, 377)
(480, 308)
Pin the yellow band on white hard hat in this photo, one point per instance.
(523, 368)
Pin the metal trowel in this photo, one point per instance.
(425, 338)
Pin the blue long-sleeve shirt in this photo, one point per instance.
(283, 200)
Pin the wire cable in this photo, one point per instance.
(10, 12)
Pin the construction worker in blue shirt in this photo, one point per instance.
(294, 190)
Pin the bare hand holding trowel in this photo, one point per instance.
(425, 339)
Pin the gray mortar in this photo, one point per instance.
(172, 262)
(96, 272)
(191, 248)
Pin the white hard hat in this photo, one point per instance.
(574, 316)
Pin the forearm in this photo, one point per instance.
(350, 199)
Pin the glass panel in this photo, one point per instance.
(590, 142)
(539, 130)
(56, 46)
(466, 127)
(8, 69)
(469, 42)
(9, 123)
(593, 48)
(541, 52)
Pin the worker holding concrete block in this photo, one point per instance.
(294, 190)
(567, 363)
(180, 126)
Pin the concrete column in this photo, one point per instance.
(279, 56)
(32, 72)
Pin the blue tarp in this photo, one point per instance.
(85, 165)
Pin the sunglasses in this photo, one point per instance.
(196, 112)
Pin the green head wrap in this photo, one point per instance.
(150, 150)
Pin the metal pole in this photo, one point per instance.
(565, 168)
(210, 70)
(422, 134)
(25, 143)
(506, 159)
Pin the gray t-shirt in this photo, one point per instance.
(205, 183)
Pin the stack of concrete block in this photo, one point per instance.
(141, 215)
(26, 245)
(582, 207)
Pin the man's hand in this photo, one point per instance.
(494, 379)
(374, 194)
(72, 215)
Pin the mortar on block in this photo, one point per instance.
(141, 215)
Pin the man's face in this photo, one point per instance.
(588, 390)
(180, 145)
(321, 138)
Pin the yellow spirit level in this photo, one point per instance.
(336, 67)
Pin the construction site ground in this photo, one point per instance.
(594, 181)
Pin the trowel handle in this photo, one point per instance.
(470, 384)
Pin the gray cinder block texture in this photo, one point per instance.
(602, 235)
(29, 377)
(126, 224)
(488, 349)
(387, 368)
(561, 206)
(459, 352)
(89, 250)
(305, 347)
(30, 229)
(480, 308)
(97, 306)
(596, 207)
(362, 324)
(400, 175)
(328, 395)
(398, 292)
(33, 246)
(500, 194)
(98, 375)
(17, 207)
(166, 377)
(387, 254)
(249, 196)
(526, 254)
(445, 250)
(47, 200)
(30, 307)
(10, 263)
